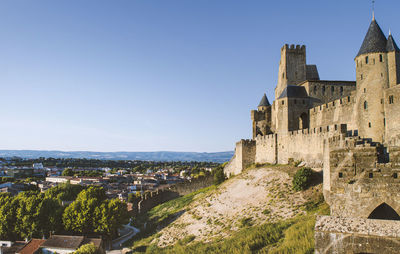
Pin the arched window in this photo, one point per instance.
(366, 59)
(365, 105)
(341, 91)
(384, 212)
(380, 58)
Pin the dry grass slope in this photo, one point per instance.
(242, 210)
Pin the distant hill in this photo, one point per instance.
(153, 156)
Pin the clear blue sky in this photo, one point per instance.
(150, 75)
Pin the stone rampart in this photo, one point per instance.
(339, 111)
(306, 145)
(356, 235)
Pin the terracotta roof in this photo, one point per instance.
(64, 242)
(31, 247)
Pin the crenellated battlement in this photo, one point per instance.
(346, 101)
(294, 48)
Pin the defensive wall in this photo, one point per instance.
(150, 199)
(306, 145)
(392, 111)
(340, 111)
(356, 235)
(323, 91)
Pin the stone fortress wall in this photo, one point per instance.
(349, 129)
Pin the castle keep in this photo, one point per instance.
(350, 129)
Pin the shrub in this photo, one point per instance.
(245, 222)
(302, 179)
(219, 175)
(87, 249)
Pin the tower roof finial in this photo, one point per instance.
(390, 32)
(373, 9)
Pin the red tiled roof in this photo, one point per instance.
(31, 247)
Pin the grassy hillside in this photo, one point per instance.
(273, 232)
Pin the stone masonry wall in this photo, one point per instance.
(334, 235)
(359, 183)
(335, 112)
(392, 113)
(326, 91)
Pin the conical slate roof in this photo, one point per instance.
(391, 44)
(375, 41)
(264, 101)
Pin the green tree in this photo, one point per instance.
(87, 249)
(110, 216)
(68, 172)
(219, 175)
(78, 216)
(64, 191)
(92, 212)
(302, 179)
(7, 217)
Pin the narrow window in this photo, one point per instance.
(341, 101)
(348, 99)
(371, 175)
(366, 59)
(341, 91)
(365, 90)
(295, 101)
(315, 89)
(365, 105)
(384, 121)
(381, 101)
(332, 89)
(361, 77)
(340, 174)
(323, 90)
(283, 75)
(381, 74)
(304, 102)
(380, 58)
(391, 99)
(369, 124)
(283, 102)
(395, 175)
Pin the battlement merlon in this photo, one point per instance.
(294, 48)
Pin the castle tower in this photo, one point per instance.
(292, 67)
(393, 61)
(261, 118)
(372, 79)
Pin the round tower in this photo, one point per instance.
(372, 79)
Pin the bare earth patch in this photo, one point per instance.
(256, 196)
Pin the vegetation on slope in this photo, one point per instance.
(295, 235)
(162, 215)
